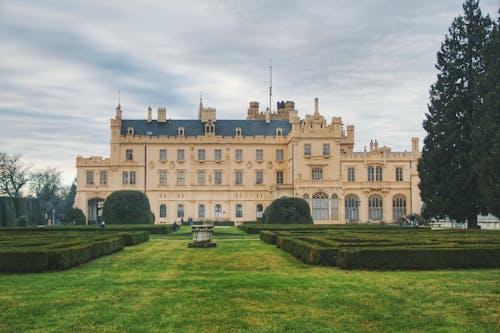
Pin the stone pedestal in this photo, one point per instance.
(202, 236)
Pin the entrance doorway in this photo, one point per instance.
(95, 210)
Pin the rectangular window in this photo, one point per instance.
(125, 177)
(238, 178)
(218, 154)
(201, 154)
(307, 149)
(132, 177)
(317, 173)
(180, 154)
(218, 178)
(399, 174)
(351, 176)
(279, 177)
(326, 149)
(279, 154)
(163, 154)
(129, 156)
(371, 174)
(259, 154)
(201, 211)
(180, 178)
(103, 177)
(259, 178)
(90, 177)
(239, 211)
(180, 211)
(163, 178)
(201, 177)
(238, 154)
(378, 174)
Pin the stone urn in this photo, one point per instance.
(202, 236)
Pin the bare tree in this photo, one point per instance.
(14, 174)
(46, 186)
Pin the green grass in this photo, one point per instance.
(243, 286)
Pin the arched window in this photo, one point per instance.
(238, 131)
(209, 128)
(279, 132)
(130, 131)
(163, 211)
(260, 210)
(352, 208)
(180, 211)
(320, 206)
(180, 131)
(218, 211)
(201, 211)
(335, 207)
(375, 208)
(398, 207)
(239, 210)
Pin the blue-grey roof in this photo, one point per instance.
(197, 128)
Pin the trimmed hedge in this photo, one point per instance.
(152, 229)
(74, 216)
(127, 207)
(287, 210)
(25, 210)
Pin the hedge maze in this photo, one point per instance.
(385, 247)
(52, 249)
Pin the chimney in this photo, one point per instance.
(316, 106)
(149, 114)
(162, 115)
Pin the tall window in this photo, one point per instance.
(129, 156)
(279, 177)
(317, 173)
(125, 177)
(180, 178)
(279, 154)
(398, 207)
(90, 177)
(371, 173)
(163, 211)
(218, 178)
(180, 154)
(335, 207)
(201, 177)
(260, 210)
(352, 208)
(218, 154)
(201, 211)
(239, 210)
(238, 154)
(132, 177)
(399, 174)
(201, 154)
(163, 154)
(375, 209)
(320, 206)
(351, 175)
(163, 178)
(103, 177)
(259, 154)
(378, 174)
(218, 211)
(238, 178)
(259, 180)
(180, 211)
(326, 149)
(307, 149)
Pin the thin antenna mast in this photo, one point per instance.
(270, 82)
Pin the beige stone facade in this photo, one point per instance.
(210, 169)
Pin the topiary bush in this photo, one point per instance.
(74, 216)
(127, 207)
(288, 210)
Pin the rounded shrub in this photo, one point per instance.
(74, 216)
(127, 207)
(288, 210)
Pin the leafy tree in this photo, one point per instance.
(127, 207)
(449, 185)
(287, 210)
(74, 216)
(486, 134)
(14, 174)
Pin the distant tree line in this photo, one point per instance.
(460, 165)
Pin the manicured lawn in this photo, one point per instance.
(243, 285)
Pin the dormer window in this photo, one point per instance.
(279, 132)
(130, 131)
(209, 128)
(238, 131)
(180, 131)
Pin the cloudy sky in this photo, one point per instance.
(62, 64)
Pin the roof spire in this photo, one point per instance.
(201, 107)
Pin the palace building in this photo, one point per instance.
(231, 170)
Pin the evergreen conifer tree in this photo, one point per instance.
(449, 185)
